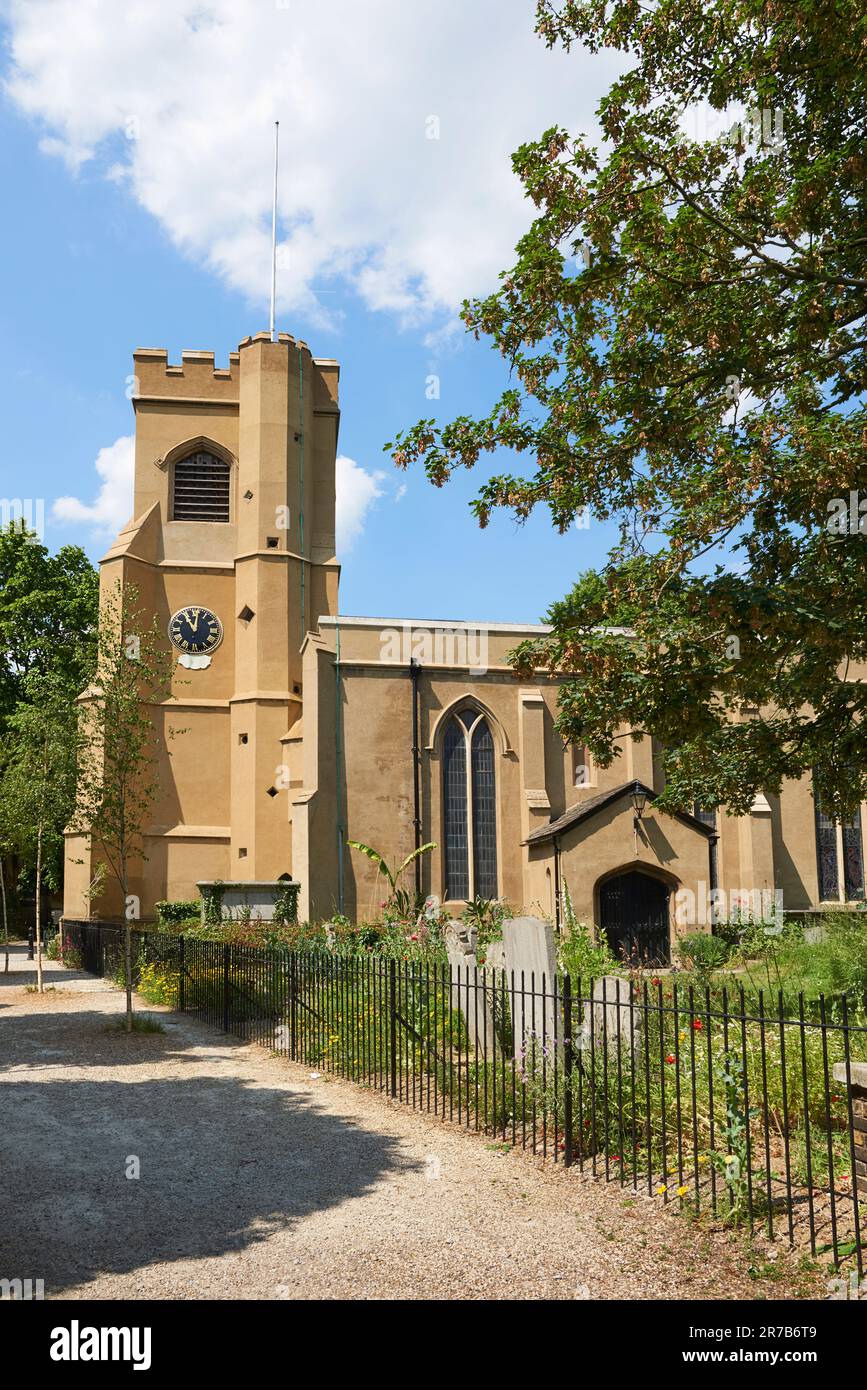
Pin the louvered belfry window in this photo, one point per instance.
(201, 488)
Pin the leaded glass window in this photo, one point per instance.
(826, 850)
(838, 844)
(455, 798)
(484, 813)
(707, 816)
(853, 858)
(470, 807)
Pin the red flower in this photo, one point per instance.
(696, 1023)
(670, 1057)
(655, 982)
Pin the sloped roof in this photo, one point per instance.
(584, 810)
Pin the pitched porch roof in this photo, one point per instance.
(585, 810)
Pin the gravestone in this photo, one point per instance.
(466, 994)
(610, 1016)
(529, 950)
(495, 958)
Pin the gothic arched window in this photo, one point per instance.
(200, 488)
(469, 800)
(839, 845)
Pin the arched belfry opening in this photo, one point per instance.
(201, 488)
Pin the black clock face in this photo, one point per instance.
(195, 630)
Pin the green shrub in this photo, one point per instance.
(584, 954)
(158, 983)
(213, 901)
(729, 932)
(703, 953)
(486, 917)
(172, 914)
(583, 957)
(286, 905)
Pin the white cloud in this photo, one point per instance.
(112, 507)
(356, 491)
(178, 101)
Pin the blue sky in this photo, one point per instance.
(137, 215)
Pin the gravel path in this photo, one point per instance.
(260, 1181)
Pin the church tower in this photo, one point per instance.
(232, 547)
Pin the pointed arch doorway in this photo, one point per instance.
(633, 913)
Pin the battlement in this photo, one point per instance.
(198, 377)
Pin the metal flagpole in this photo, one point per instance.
(274, 236)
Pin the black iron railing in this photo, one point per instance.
(717, 1102)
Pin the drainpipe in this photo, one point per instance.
(556, 884)
(712, 876)
(338, 758)
(414, 670)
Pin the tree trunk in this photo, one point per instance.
(127, 946)
(39, 981)
(5, 917)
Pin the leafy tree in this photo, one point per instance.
(48, 613)
(685, 330)
(37, 789)
(118, 769)
(5, 910)
(48, 610)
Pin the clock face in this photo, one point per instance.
(195, 630)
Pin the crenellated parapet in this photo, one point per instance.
(197, 377)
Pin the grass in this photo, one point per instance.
(141, 1023)
(786, 965)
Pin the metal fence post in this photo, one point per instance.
(182, 984)
(567, 1071)
(225, 987)
(293, 1006)
(392, 1013)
